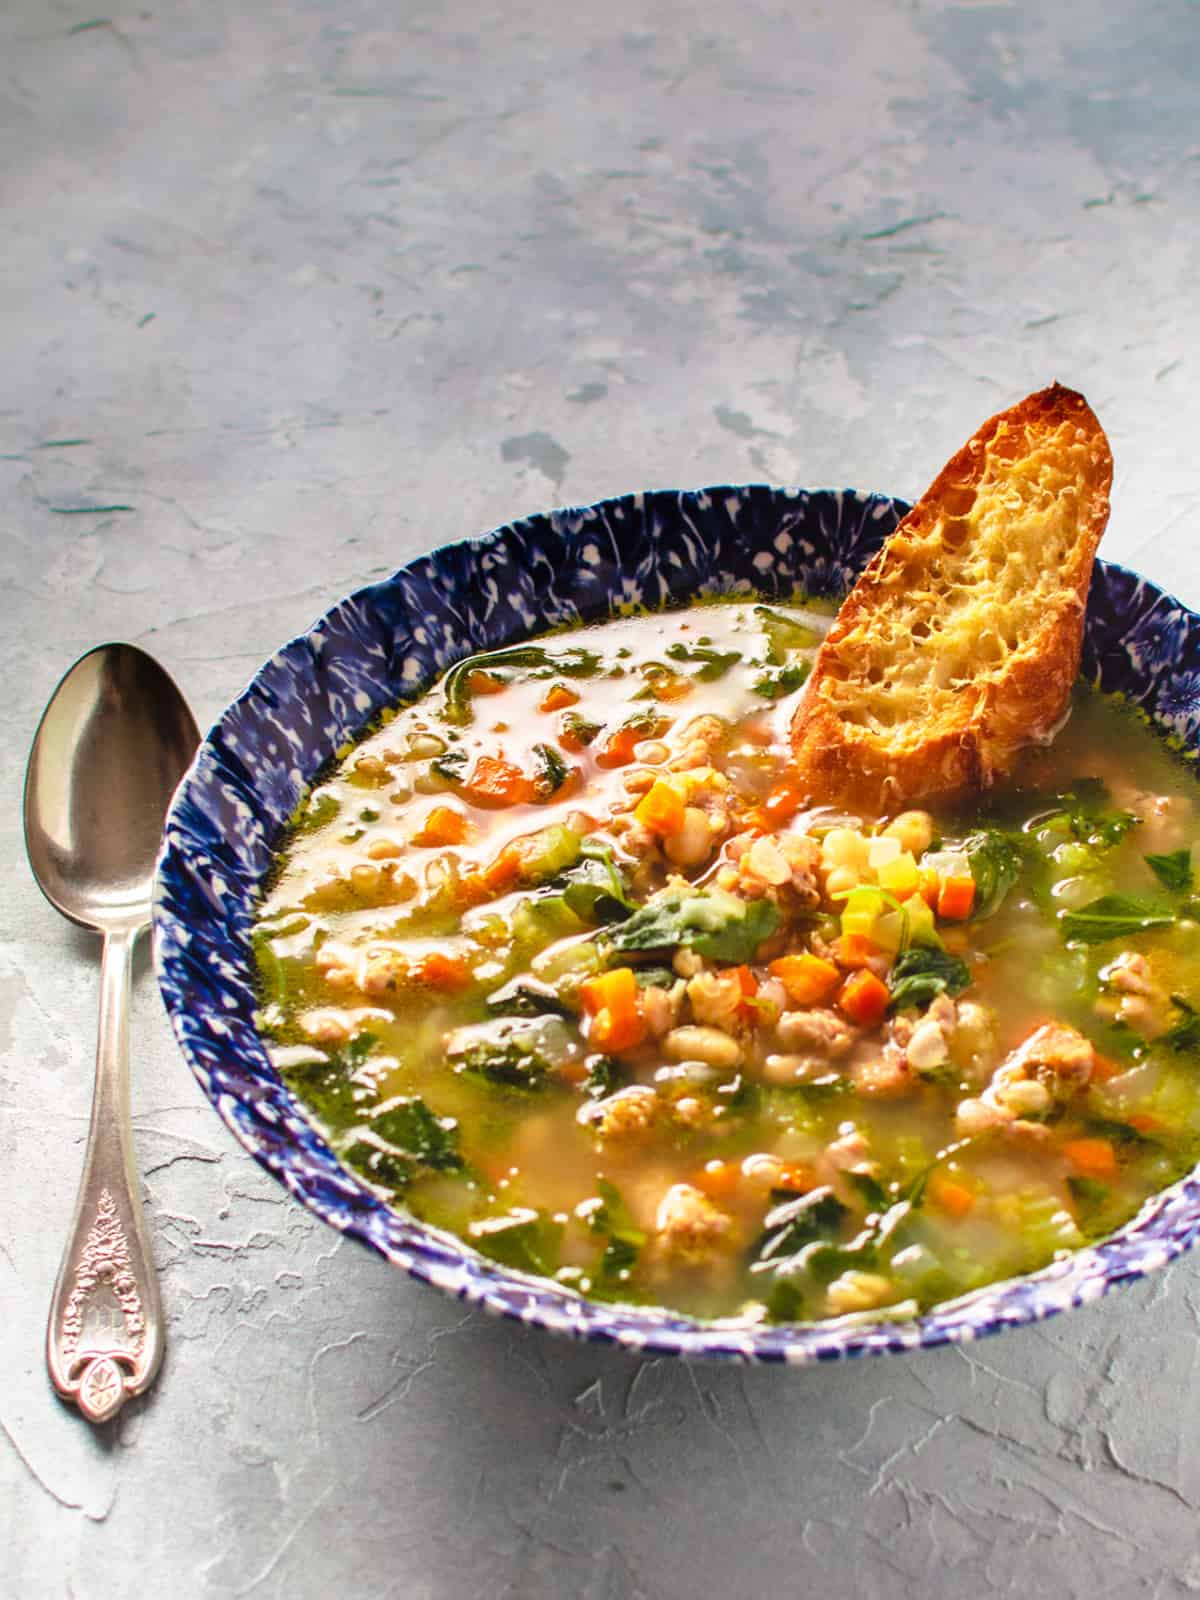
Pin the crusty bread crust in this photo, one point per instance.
(959, 643)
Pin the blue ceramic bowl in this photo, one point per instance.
(389, 641)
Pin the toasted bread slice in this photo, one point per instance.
(961, 640)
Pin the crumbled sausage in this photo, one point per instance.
(816, 1032)
(629, 1114)
(688, 1225)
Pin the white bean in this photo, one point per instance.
(709, 1045)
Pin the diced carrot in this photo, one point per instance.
(1091, 1158)
(864, 999)
(749, 987)
(928, 886)
(854, 950)
(661, 808)
(483, 683)
(496, 782)
(799, 1177)
(954, 1198)
(557, 697)
(472, 889)
(443, 825)
(718, 1179)
(622, 742)
(955, 898)
(807, 979)
(782, 802)
(1143, 1122)
(574, 1072)
(504, 870)
(608, 988)
(440, 971)
(613, 1002)
(1103, 1068)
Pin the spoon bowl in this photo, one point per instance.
(109, 752)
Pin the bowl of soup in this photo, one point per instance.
(492, 925)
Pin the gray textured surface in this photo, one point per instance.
(312, 288)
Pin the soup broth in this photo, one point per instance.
(560, 962)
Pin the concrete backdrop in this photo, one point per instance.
(291, 292)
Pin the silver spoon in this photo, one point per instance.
(110, 749)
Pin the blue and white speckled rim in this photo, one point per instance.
(392, 639)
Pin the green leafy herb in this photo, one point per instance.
(795, 1223)
(655, 977)
(874, 1195)
(452, 765)
(605, 1076)
(1083, 815)
(1088, 1194)
(527, 997)
(596, 890)
(407, 1125)
(774, 685)
(922, 973)
(1184, 1036)
(579, 728)
(716, 663)
(1173, 871)
(524, 1239)
(784, 633)
(551, 771)
(315, 812)
(716, 924)
(995, 860)
(611, 1219)
(573, 662)
(1119, 1132)
(1114, 916)
(518, 1052)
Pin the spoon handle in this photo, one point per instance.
(104, 1341)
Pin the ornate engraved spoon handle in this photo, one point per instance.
(104, 1340)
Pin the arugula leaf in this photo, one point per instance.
(1114, 916)
(774, 685)
(716, 663)
(1173, 870)
(409, 1126)
(995, 860)
(716, 924)
(923, 972)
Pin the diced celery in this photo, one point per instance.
(861, 912)
(549, 852)
(922, 929)
(568, 958)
